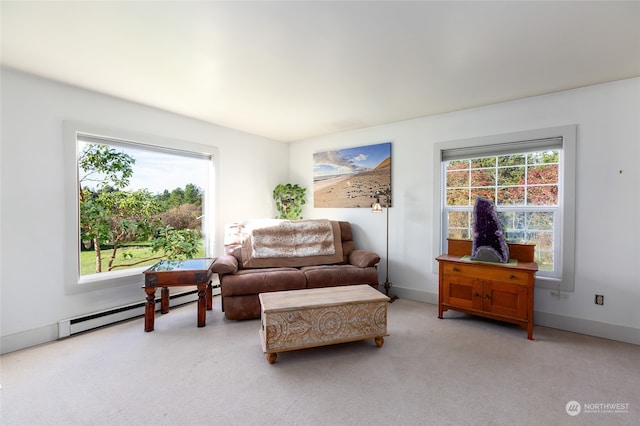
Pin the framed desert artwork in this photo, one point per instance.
(351, 177)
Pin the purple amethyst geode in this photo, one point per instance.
(489, 244)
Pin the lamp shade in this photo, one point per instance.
(376, 207)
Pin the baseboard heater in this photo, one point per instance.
(87, 322)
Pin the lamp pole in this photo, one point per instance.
(377, 209)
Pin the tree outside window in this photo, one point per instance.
(524, 188)
(138, 206)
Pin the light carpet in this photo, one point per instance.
(460, 370)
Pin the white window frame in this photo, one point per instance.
(74, 282)
(566, 195)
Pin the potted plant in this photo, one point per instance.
(289, 200)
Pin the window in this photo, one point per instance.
(529, 176)
(133, 199)
(524, 188)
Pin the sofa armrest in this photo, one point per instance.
(225, 264)
(363, 258)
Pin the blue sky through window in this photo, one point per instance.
(157, 171)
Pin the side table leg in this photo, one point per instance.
(202, 305)
(149, 308)
(209, 296)
(164, 300)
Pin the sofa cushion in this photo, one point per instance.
(347, 240)
(335, 275)
(255, 281)
(345, 230)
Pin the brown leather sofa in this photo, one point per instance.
(240, 285)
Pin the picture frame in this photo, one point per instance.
(351, 177)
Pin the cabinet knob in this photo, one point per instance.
(486, 296)
(512, 277)
(456, 269)
(476, 295)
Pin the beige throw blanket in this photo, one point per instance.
(293, 243)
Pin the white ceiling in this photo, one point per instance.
(294, 70)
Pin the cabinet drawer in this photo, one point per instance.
(487, 272)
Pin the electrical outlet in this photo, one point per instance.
(599, 299)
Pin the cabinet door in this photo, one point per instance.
(463, 292)
(505, 299)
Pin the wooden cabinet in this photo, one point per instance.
(493, 290)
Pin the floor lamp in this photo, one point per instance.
(377, 208)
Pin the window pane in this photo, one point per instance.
(511, 176)
(459, 234)
(527, 226)
(543, 157)
(459, 220)
(458, 197)
(542, 221)
(516, 236)
(489, 193)
(478, 163)
(544, 260)
(456, 179)
(542, 195)
(542, 239)
(544, 249)
(513, 222)
(511, 196)
(459, 224)
(483, 177)
(547, 174)
(457, 165)
(512, 160)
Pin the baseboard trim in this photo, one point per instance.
(604, 330)
(71, 326)
(420, 296)
(61, 330)
(26, 339)
(576, 325)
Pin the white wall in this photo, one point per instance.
(607, 231)
(33, 110)
(32, 297)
